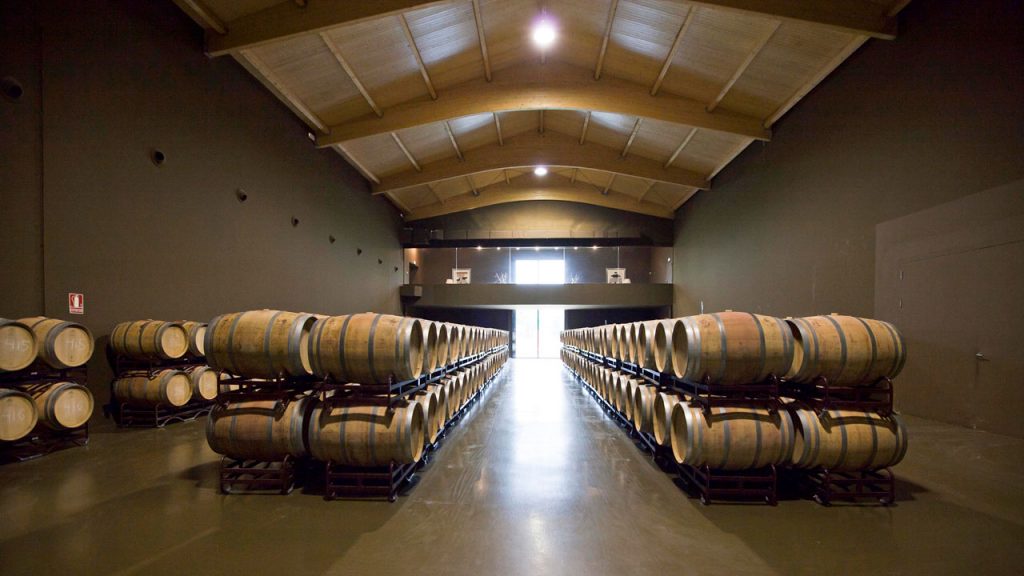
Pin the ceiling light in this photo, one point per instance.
(540, 171)
(575, 247)
(544, 34)
(479, 247)
(536, 248)
(595, 246)
(499, 248)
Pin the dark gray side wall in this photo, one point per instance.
(789, 227)
(548, 219)
(105, 83)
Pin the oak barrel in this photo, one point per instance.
(367, 348)
(440, 393)
(196, 337)
(17, 345)
(430, 360)
(663, 344)
(442, 345)
(150, 339)
(367, 435)
(204, 381)
(731, 438)
(428, 400)
(167, 387)
(664, 403)
(731, 348)
(260, 343)
(266, 430)
(845, 440)
(60, 344)
(62, 405)
(845, 350)
(643, 408)
(17, 414)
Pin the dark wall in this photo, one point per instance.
(903, 125)
(548, 219)
(106, 82)
(485, 317)
(587, 317)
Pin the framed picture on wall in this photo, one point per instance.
(615, 275)
(461, 275)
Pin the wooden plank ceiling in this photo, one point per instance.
(448, 105)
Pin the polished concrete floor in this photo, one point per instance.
(536, 480)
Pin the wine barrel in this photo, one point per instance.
(443, 344)
(429, 346)
(367, 348)
(663, 344)
(428, 401)
(60, 344)
(266, 430)
(625, 338)
(167, 387)
(731, 348)
(646, 344)
(196, 337)
(150, 340)
(62, 405)
(17, 414)
(442, 404)
(367, 435)
(260, 343)
(664, 403)
(731, 438)
(17, 346)
(846, 350)
(204, 381)
(846, 440)
(628, 392)
(643, 408)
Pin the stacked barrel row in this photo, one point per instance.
(736, 348)
(171, 356)
(364, 350)
(747, 437)
(739, 347)
(37, 391)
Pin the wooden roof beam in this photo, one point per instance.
(497, 128)
(451, 138)
(286, 20)
(682, 145)
(528, 189)
(743, 66)
(604, 42)
(672, 51)
(258, 68)
(478, 16)
(813, 81)
(203, 15)
(552, 87)
(860, 17)
(632, 137)
(530, 150)
(351, 73)
(358, 165)
(586, 125)
(408, 155)
(419, 57)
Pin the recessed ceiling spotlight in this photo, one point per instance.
(544, 34)
(536, 248)
(479, 247)
(540, 171)
(499, 248)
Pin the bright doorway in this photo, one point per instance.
(537, 331)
